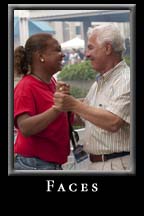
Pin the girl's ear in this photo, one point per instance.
(41, 58)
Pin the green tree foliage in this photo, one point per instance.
(78, 92)
(79, 71)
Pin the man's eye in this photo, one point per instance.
(90, 48)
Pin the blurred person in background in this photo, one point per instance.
(74, 57)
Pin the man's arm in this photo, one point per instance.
(99, 117)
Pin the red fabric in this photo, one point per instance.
(32, 96)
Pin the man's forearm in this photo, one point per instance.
(99, 117)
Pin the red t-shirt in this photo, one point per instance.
(33, 96)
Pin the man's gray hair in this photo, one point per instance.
(108, 33)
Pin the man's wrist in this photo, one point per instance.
(76, 106)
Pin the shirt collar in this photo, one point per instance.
(98, 76)
(106, 75)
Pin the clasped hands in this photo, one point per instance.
(63, 101)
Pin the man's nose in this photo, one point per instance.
(87, 54)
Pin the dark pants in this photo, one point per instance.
(33, 163)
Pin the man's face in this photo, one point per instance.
(96, 53)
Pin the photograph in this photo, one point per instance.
(71, 87)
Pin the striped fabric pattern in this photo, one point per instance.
(110, 92)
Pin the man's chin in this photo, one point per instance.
(93, 67)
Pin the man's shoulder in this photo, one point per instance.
(123, 70)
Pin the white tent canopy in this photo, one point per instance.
(75, 43)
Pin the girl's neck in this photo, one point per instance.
(42, 78)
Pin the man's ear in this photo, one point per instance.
(108, 48)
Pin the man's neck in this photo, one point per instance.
(111, 64)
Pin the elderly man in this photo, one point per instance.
(106, 108)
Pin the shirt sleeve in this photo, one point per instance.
(23, 104)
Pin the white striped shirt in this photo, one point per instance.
(110, 92)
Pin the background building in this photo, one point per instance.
(67, 24)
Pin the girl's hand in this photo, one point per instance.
(63, 87)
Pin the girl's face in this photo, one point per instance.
(53, 56)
